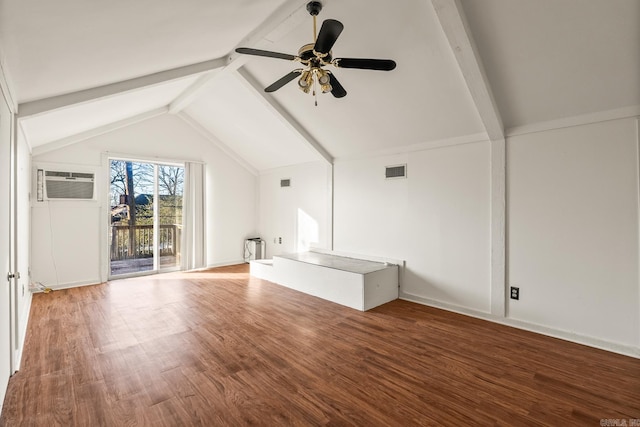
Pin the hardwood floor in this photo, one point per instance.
(220, 348)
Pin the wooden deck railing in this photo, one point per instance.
(142, 238)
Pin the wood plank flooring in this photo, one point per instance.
(219, 348)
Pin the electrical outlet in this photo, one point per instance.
(280, 240)
(515, 293)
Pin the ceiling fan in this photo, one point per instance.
(315, 56)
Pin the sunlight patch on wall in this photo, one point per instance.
(308, 231)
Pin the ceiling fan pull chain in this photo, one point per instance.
(315, 92)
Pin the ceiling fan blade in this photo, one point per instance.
(282, 81)
(328, 35)
(337, 89)
(366, 64)
(267, 53)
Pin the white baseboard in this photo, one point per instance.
(543, 330)
(69, 285)
(225, 264)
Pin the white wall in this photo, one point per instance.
(573, 230)
(300, 214)
(77, 252)
(437, 220)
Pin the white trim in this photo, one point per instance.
(13, 241)
(145, 159)
(215, 141)
(330, 205)
(92, 133)
(456, 28)
(498, 227)
(583, 119)
(543, 330)
(6, 86)
(37, 107)
(280, 112)
(422, 146)
(638, 195)
(105, 214)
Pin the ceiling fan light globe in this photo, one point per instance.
(324, 79)
(305, 79)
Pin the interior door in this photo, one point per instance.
(5, 283)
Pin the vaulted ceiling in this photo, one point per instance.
(467, 70)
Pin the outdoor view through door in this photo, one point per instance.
(146, 216)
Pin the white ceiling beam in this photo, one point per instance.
(34, 108)
(284, 19)
(82, 136)
(456, 28)
(207, 134)
(286, 117)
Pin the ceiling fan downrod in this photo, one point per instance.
(314, 8)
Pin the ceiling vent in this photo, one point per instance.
(285, 182)
(397, 171)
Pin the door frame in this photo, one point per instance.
(106, 203)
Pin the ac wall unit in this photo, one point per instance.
(67, 185)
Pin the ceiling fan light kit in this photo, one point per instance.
(314, 56)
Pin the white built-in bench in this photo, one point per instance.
(356, 283)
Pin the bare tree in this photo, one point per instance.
(118, 181)
(171, 179)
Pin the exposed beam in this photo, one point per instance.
(282, 21)
(74, 139)
(456, 28)
(286, 117)
(34, 108)
(216, 141)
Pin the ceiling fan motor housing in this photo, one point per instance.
(314, 8)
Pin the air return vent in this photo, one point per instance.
(397, 171)
(285, 182)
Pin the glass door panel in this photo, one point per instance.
(146, 217)
(170, 191)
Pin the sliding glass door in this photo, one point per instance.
(146, 217)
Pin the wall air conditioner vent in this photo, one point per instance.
(68, 185)
(285, 182)
(398, 171)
